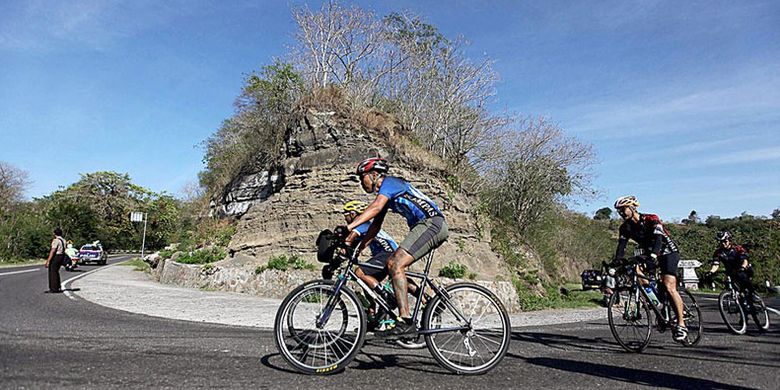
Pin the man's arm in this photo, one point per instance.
(373, 210)
(373, 230)
(51, 255)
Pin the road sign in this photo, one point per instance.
(137, 216)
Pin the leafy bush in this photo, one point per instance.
(453, 270)
(284, 263)
(202, 256)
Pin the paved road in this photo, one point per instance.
(51, 341)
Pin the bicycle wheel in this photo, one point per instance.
(731, 312)
(629, 320)
(484, 339)
(319, 350)
(692, 317)
(759, 313)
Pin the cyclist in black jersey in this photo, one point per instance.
(735, 259)
(656, 245)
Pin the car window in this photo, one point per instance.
(89, 248)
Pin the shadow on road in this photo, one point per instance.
(632, 375)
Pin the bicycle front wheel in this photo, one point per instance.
(759, 313)
(479, 329)
(629, 320)
(732, 313)
(692, 317)
(319, 349)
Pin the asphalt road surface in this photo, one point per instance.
(57, 341)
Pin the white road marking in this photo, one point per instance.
(19, 272)
(73, 279)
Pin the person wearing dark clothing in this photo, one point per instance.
(655, 244)
(55, 260)
(735, 259)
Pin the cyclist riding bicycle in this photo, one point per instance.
(381, 246)
(428, 229)
(735, 259)
(658, 247)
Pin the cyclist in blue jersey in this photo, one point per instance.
(381, 246)
(428, 229)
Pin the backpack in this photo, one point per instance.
(327, 242)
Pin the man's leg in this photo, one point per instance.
(396, 265)
(670, 282)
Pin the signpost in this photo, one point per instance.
(137, 216)
(689, 278)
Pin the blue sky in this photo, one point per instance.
(680, 101)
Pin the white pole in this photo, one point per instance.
(143, 241)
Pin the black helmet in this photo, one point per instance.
(723, 236)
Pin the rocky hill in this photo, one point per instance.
(281, 211)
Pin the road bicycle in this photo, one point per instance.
(630, 307)
(733, 305)
(321, 325)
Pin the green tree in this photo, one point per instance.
(603, 214)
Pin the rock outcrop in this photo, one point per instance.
(282, 212)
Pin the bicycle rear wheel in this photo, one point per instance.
(759, 313)
(484, 339)
(319, 350)
(732, 313)
(629, 320)
(692, 317)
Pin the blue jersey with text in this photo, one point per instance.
(381, 243)
(406, 200)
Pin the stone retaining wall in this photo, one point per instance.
(277, 284)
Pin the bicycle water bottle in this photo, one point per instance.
(651, 293)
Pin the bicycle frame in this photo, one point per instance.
(638, 288)
(425, 281)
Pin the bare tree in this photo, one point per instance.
(531, 170)
(13, 182)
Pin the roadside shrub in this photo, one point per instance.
(453, 270)
(202, 256)
(284, 263)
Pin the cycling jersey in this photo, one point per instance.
(731, 258)
(649, 233)
(382, 243)
(406, 200)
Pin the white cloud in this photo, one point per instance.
(94, 24)
(741, 157)
(751, 96)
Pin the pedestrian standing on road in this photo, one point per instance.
(55, 260)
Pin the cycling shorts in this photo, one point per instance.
(668, 263)
(380, 260)
(425, 236)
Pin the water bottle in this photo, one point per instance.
(651, 293)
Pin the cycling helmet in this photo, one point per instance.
(723, 236)
(356, 206)
(373, 164)
(629, 200)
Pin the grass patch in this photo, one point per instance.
(284, 263)
(202, 256)
(556, 297)
(18, 262)
(139, 264)
(453, 270)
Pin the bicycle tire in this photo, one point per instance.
(693, 320)
(488, 331)
(731, 312)
(307, 349)
(759, 313)
(632, 310)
